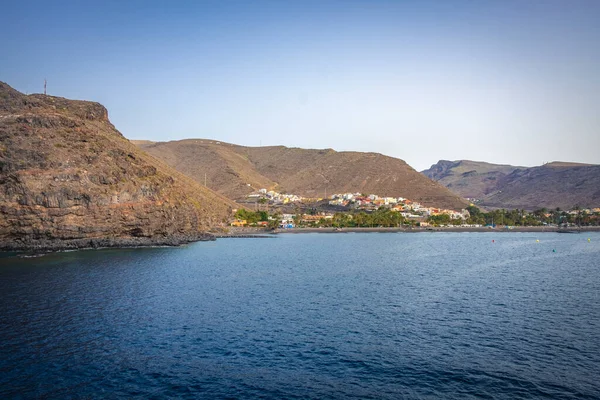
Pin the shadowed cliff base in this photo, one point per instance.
(48, 245)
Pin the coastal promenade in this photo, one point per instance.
(251, 232)
(433, 229)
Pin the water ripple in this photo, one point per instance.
(386, 316)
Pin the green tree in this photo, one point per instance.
(297, 218)
(274, 223)
(437, 220)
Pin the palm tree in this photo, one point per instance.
(297, 218)
(578, 209)
(556, 215)
(273, 223)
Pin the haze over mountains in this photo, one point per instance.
(236, 171)
(557, 184)
(69, 179)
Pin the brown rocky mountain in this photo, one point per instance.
(70, 180)
(236, 171)
(557, 184)
(469, 179)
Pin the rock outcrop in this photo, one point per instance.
(69, 179)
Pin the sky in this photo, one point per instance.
(511, 82)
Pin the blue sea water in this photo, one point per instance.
(376, 315)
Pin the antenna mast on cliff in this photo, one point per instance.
(44, 86)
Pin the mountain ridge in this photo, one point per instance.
(556, 184)
(308, 172)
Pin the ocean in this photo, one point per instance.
(318, 316)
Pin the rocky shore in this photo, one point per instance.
(49, 245)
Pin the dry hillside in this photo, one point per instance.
(236, 171)
(557, 184)
(470, 179)
(564, 185)
(70, 179)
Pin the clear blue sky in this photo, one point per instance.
(502, 81)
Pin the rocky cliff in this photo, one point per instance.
(69, 179)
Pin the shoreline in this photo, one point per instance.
(524, 229)
(51, 246)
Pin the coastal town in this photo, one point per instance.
(357, 201)
(270, 199)
(272, 210)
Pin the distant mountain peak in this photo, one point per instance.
(565, 164)
(556, 184)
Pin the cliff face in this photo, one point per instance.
(236, 171)
(69, 179)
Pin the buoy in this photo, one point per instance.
(589, 240)
(554, 250)
(537, 241)
(492, 240)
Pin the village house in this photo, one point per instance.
(275, 197)
(316, 218)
